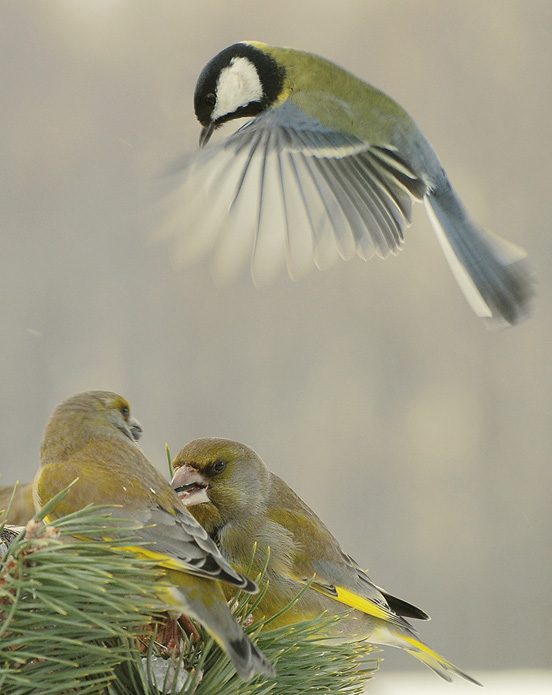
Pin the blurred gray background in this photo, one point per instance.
(420, 438)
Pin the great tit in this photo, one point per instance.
(327, 166)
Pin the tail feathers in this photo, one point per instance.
(247, 658)
(406, 640)
(203, 600)
(493, 273)
(434, 661)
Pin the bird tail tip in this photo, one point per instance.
(248, 659)
(434, 661)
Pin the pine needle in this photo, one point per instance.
(73, 617)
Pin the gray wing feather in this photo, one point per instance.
(181, 537)
(287, 191)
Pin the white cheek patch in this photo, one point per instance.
(238, 85)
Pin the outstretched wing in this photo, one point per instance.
(286, 190)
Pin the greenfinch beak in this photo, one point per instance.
(135, 429)
(190, 486)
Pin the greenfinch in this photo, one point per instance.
(239, 502)
(91, 438)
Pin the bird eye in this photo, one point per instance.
(125, 411)
(210, 99)
(219, 466)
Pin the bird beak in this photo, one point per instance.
(206, 133)
(190, 486)
(135, 429)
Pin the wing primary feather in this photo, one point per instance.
(401, 607)
(285, 208)
(365, 605)
(346, 242)
(388, 185)
(398, 204)
(319, 167)
(335, 215)
(376, 226)
(261, 189)
(256, 139)
(177, 543)
(302, 192)
(356, 213)
(269, 244)
(316, 232)
(400, 171)
(343, 234)
(378, 219)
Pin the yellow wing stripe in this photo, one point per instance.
(161, 559)
(355, 601)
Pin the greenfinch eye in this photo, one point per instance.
(125, 411)
(219, 466)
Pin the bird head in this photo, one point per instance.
(242, 80)
(84, 418)
(220, 478)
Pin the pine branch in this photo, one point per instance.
(73, 616)
(68, 607)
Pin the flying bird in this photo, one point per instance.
(327, 166)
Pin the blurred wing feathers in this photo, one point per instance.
(287, 191)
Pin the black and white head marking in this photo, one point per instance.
(240, 81)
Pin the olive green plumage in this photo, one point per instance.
(341, 101)
(234, 496)
(91, 438)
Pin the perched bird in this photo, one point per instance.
(327, 166)
(91, 438)
(239, 502)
